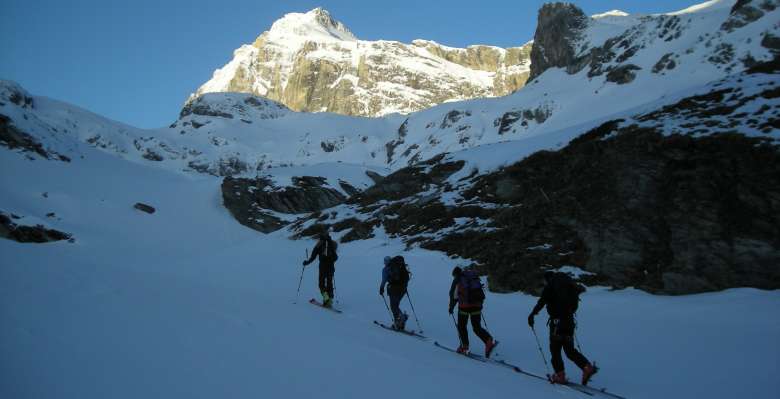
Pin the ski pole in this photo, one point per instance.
(546, 366)
(333, 281)
(413, 312)
(456, 329)
(484, 319)
(297, 294)
(388, 309)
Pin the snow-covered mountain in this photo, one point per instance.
(587, 71)
(311, 62)
(644, 154)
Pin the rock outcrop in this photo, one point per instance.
(257, 203)
(21, 233)
(558, 29)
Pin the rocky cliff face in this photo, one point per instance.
(558, 28)
(311, 62)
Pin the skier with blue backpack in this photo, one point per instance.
(395, 275)
(466, 290)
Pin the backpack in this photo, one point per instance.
(399, 275)
(329, 251)
(566, 293)
(470, 290)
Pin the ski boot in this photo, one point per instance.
(559, 378)
(587, 372)
(463, 350)
(489, 346)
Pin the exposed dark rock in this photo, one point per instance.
(21, 233)
(742, 13)
(202, 108)
(507, 120)
(348, 188)
(408, 181)
(152, 156)
(376, 177)
(144, 207)
(13, 138)
(21, 99)
(623, 74)
(252, 201)
(450, 119)
(771, 42)
(559, 25)
(231, 166)
(666, 62)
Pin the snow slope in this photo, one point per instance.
(187, 303)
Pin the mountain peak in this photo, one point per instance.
(317, 24)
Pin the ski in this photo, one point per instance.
(318, 303)
(407, 332)
(469, 355)
(591, 391)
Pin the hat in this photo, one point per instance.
(387, 260)
(456, 271)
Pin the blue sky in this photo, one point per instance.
(137, 61)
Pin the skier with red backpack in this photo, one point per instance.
(470, 298)
(325, 249)
(395, 275)
(561, 296)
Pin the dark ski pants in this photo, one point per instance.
(562, 337)
(326, 281)
(476, 325)
(395, 305)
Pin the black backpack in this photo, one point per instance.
(399, 275)
(470, 289)
(566, 293)
(329, 250)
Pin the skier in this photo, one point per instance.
(561, 296)
(326, 250)
(470, 298)
(396, 276)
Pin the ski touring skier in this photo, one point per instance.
(561, 296)
(326, 250)
(470, 298)
(395, 275)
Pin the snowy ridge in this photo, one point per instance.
(240, 134)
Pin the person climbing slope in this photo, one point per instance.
(396, 276)
(561, 296)
(470, 298)
(326, 250)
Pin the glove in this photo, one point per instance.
(382, 291)
(452, 307)
(531, 320)
(305, 263)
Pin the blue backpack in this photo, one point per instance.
(470, 290)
